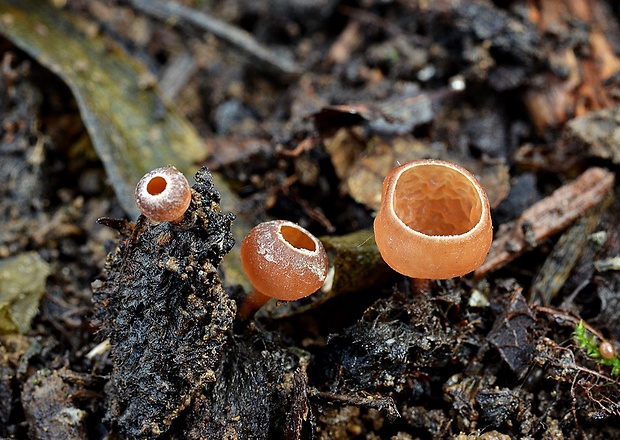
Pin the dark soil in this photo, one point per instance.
(304, 127)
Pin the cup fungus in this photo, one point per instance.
(282, 260)
(163, 195)
(434, 221)
(607, 350)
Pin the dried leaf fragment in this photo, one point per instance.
(511, 336)
(22, 284)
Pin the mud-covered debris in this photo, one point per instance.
(498, 406)
(460, 392)
(399, 114)
(488, 435)
(478, 404)
(598, 132)
(507, 34)
(341, 423)
(50, 411)
(161, 304)
(363, 400)
(26, 164)
(397, 343)
(12, 349)
(6, 394)
(260, 393)
(608, 291)
(433, 421)
(368, 355)
(511, 335)
(501, 47)
(523, 193)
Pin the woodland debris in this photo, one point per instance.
(261, 392)
(560, 262)
(581, 62)
(162, 305)
(50, 407)
(512, 337)
(22, 285)
(171, 11)
(547, 217)
(598, 132)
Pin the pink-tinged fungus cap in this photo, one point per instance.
(434, 221)
(163, 195)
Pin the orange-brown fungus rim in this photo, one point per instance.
(481, 193)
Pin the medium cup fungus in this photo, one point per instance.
(434, 221)
(282, 260)
(163, 195)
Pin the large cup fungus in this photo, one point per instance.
(282, 260)
(434, 221)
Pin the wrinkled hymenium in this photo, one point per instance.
(162, 305)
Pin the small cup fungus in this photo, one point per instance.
(434, 221)
(607, 350)
(163, 195)
(282, 260)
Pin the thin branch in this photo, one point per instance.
(547, 217)
(172, 12)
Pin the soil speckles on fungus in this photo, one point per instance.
(162, 305)
(282, 260)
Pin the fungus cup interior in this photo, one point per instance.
(156, 185)
(437, 200)
(297, 238)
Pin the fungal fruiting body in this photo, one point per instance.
(434, 221)
(607, 350)
(282, 260)
(163, 195)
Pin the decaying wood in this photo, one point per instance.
(577, 85)
(547, 217)
(559, 264)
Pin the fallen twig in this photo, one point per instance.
(373, 401)
(172, 12)
(547, 217)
